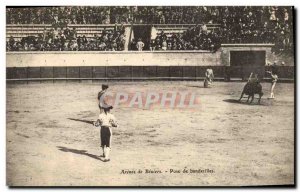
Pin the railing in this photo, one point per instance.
(34, 29)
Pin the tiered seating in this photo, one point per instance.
(19, 31)
(90, 30)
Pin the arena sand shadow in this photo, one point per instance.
(80, 152)
(195, 86)
(82, 120)
(244, 102)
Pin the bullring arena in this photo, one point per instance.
(51, 104)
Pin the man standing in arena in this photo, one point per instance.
(106, 120)
(102, 102)
(209, 76)
(274, 77)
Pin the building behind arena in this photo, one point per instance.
(100, 43)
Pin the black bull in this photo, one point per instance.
(251, 88)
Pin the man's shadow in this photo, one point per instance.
(81, 120)
(80, 152)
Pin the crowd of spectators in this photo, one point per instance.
(66, 39)
(58, 15)
(145, 14)
(194, 38)
(61, 16)
(176, 15)
(238, 24)
(258, 25)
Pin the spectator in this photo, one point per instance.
(11, 43)
(152, 45)
(164, 45)
(204, 28)
(73, 33)
(140, 45)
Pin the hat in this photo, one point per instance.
(104, 86)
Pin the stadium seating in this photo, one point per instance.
(19, 31)
(238, 24)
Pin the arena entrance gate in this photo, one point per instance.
(143, 32)
(243, 63)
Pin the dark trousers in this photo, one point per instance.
(105, 135)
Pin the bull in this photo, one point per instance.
(251, 88)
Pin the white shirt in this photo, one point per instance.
(140, 45)
(209, 73)
(286, 16)
(204, 28)
(107, 120)
(274, 78)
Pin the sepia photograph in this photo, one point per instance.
(150, 96)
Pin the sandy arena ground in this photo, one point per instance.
(51, 141)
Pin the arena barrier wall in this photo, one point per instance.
(112, 58)
(169, 65)
(111, 65)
